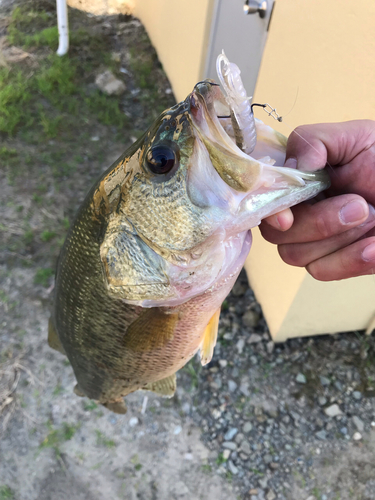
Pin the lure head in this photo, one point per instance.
(178, 208)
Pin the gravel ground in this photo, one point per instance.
(293, 421)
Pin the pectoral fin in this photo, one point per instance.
(165, 387)
(152, 330)
(53, 339)
(209, 339)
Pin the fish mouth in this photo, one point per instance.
(259, 182)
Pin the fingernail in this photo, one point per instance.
(353, 211)
(369, 252)
(291, 163)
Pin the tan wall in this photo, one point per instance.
(323, 54)
(179, 30)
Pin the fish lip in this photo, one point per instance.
(264, 204)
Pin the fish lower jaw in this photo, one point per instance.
(234, 262)
(215, 270)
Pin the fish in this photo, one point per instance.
(160, 239)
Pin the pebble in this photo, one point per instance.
(263, 482)
(301, 379)
(239, 289)
(322, 400)
(186, 408)
(232, 468)
(133, 421)
(250, 319)
(240, 345)
(253, 360)
(229, 445)
(324, 381)
(321, 435)
(232, 386)
(333, 411)
(271, 495)
(216, 413)
(357, 395)
(358, 423)
(267, 459)
(109, 84)
(245, 447)
(223, 363)
(239, 438)
(270, 347)
(338, 385)
(357, 436)
(244, 388)
(247, 427)
(226, 454)
(254, 338)
(229, 435)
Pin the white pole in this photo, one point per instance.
(63, 27)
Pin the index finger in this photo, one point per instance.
(321, 220)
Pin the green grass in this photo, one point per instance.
(6, 493)
(89, 405)
(102, 440)
(58, 390)
(42, 276)
(14, 98)
(194, 375)
(58, 436)
(47, 235)
(220, 459)
(206, 468)
(52, 98)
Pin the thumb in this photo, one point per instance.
(306, 149)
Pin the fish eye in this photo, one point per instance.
(161, 159)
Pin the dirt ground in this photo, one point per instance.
(55, 445)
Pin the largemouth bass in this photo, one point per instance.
(159, 241)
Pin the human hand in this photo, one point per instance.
(333, 238)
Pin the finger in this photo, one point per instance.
(302, 254)
(321, 220)
(281, 221)
(312, 146)
(357, 259)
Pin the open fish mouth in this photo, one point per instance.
(247, 154)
